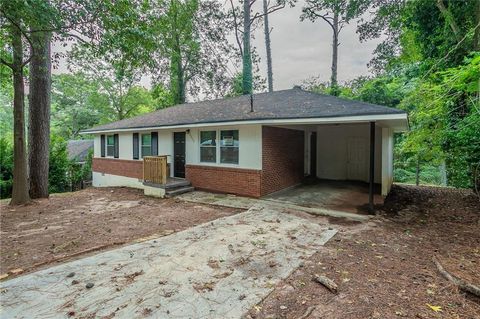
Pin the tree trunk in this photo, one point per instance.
(247, 54)
(39, 115)
(333, 78)
(20, 170)
(449, 18)
(417, 172)
(267, 46)
(180, 81)
(177, 78)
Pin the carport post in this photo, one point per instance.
(372, 167)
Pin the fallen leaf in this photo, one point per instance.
(435, 308)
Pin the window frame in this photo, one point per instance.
(112, 146)
(232, 146)
(141, 145)
(208, 146)
(218, 142)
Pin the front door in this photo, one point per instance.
(179, 154)
(357, 169)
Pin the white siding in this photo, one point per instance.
(332, 150)
(387, 160)
(250, 152)
(108, 180)
(125, 147)
(96, 146)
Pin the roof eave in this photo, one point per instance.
(273, 121)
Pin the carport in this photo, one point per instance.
(348, 164)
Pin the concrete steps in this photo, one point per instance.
(173, 187)
(174, 191)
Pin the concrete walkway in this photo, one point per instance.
(266, 202)
(215, 270)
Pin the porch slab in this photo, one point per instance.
(215, 270)
(345, 196)
(234, 201)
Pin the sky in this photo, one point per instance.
(300, 50)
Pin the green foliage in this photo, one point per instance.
(192, 38)
(429, 175)
(59, 165)
(236, 85)
(77, 104)
(6, 102)
(314, 84)
(6, 167)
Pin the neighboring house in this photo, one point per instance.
(78, 150)
(253, 145)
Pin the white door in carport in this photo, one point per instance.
(357, 159)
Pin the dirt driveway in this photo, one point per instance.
(93, 219)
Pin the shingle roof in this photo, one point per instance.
(287, 104)
(78, 149)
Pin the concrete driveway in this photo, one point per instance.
(215, 270)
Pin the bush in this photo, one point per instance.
(6, 168)
(58, 179)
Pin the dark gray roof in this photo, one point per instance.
(78, 149)
(287, 104)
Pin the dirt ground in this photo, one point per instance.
(73, 224)
(387, 271)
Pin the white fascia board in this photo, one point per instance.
(321, 120)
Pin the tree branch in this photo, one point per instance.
(27, 60)
(16, 25)
(10, 65)
(269, 11)
(325, 17)
(235, 26)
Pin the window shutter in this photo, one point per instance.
(115, 146)
(154, 143)
(135, 146)
(102, 145)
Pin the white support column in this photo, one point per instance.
(387, 160)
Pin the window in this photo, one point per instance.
(229, 146)
(208, 146)
(146, 145)
(110, 145)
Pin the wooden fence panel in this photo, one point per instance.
(155, 169)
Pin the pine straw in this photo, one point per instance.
(387, 271)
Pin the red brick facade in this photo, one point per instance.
(282, 158)
(120, 167)
(245, 182)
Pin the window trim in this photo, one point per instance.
(107, 137)
(208, 146)
(141, 145)
(237, 147)
(218, 146)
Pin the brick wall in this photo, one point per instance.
(282, 158)
(120, 167)
(245, 182)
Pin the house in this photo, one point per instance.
(253, 145)
(78, 150)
